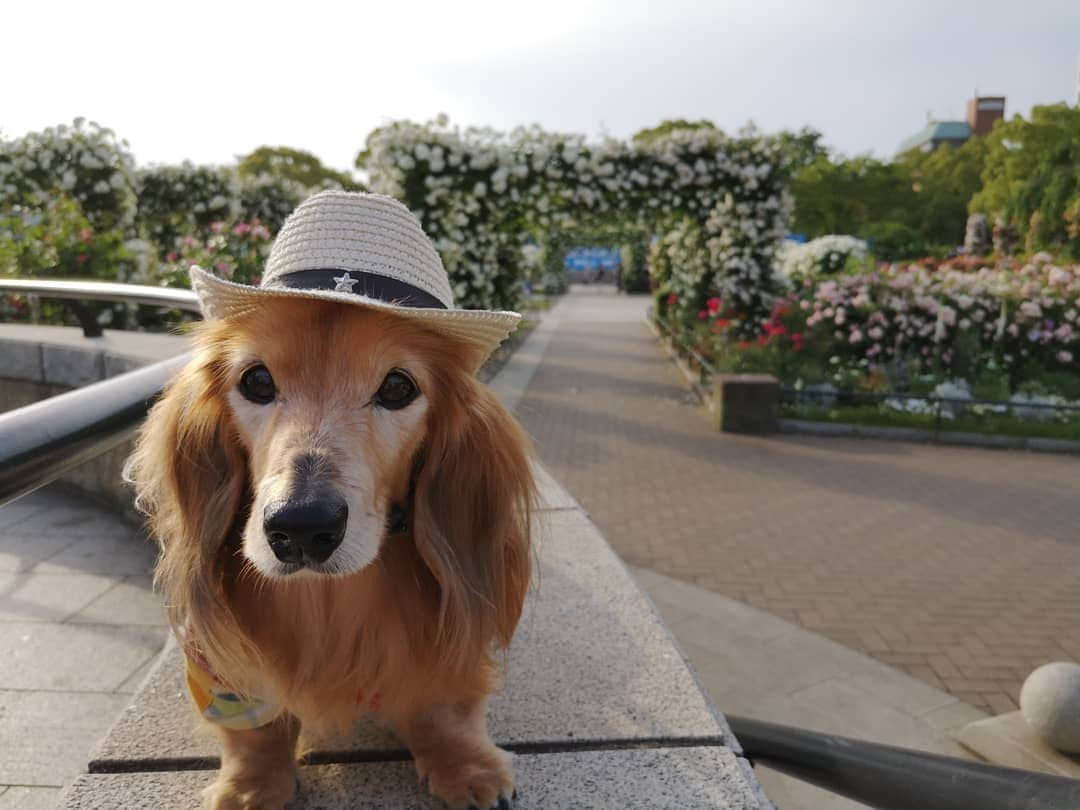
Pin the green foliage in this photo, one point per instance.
(893, 241)
(848, 195)
(665, 128)
(269, 200)
(944, 182)
(1031, 178)
(235, 250)
(296, 166)
(801, 148)
(56, 239)
(176, 200)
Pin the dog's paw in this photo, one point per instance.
(267, 791)
(480, 778)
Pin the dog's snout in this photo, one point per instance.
(305, 531)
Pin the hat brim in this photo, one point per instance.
(484, 329)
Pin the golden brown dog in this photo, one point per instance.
(273, 471)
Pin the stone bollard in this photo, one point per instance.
(746, 403)
(1050, 702)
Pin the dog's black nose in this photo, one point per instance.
(305, 531)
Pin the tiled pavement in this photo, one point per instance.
(79, 625)
(960, 566)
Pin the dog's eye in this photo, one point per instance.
(396, 391)
(257, 385)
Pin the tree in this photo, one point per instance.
(801, 148)
(295, 165)
(652, 134)
(846, 196)
(1032, 177)
(944, 182)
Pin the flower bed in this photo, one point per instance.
(1001, 332)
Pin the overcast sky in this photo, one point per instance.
(208, 81)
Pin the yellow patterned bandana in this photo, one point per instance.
(218, 703)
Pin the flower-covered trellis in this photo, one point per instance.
(481, 194)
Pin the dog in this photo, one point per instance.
(343, 512)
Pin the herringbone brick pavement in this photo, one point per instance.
(960, 566)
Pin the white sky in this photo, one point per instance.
(208, 81)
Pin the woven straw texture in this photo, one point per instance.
(336, 230)
(366, 233)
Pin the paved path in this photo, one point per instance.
(960, 566)
(79, 626)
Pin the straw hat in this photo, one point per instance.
(362, 249)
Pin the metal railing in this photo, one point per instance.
(942, 409)
(40, 442)
(891, 778)
(74, 293)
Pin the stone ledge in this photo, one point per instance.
(1008, 740)
(591, 663)
(683, 777)
(62, 355)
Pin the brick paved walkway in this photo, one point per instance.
(960, 566)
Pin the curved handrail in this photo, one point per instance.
(892, 778)
(103, 291)
(42, 441)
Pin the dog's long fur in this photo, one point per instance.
(418, 626)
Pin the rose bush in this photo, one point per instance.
(480, 194)
(822, 256)
(235, 250)
(1000, 328)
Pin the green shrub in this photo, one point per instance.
(893, 241)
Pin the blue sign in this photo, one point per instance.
(797, 238)
(593, 258)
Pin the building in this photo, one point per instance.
(982, 112)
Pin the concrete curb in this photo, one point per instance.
(902, 434)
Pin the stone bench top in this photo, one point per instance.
(62, 355)
(597, 702)
(692, 777)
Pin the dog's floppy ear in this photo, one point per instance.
(190, 477)
(472, 511)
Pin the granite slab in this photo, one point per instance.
(1008, 740)
(685, 777)
(551, 494)
(591, 663)
(47, 733)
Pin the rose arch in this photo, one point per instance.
(710, 208)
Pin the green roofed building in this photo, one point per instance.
(982, 112)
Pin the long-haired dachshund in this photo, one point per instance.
(343, 512)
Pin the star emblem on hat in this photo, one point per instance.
(344, 283)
